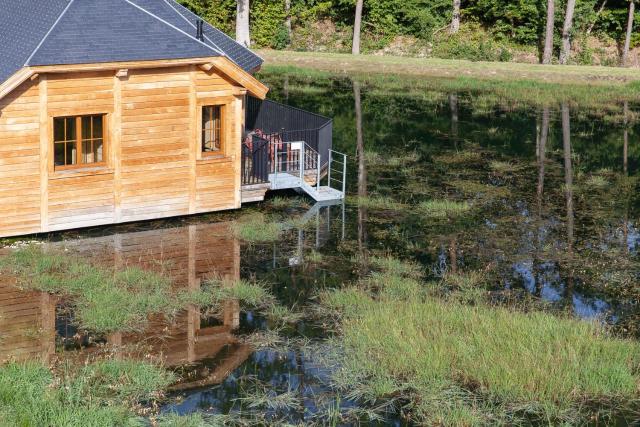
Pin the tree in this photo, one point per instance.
(356, 28)
(548, 37)
(627, 39)
(455, 17)
(242, 23)
(566, 32)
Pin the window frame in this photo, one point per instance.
(79, 142)
(223, 104)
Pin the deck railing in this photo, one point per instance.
(280, 124)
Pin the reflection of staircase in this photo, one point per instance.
(299, 167)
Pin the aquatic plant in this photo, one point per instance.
(502, 167)
(437, 353)
(280, 202)
(99, 393)
(458, 157)
(109, 301)
(257, 228)
(376, 203)
(596, 181)
(444, 208)
(397, 267)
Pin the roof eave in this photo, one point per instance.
(222, 64)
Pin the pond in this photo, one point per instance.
(548, 208)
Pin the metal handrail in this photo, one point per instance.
(344, 169)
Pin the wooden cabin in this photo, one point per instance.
(124, 110)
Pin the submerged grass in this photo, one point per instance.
(478, 364)
(257, 228)
(117, 301)
(100, 393)
(376, 203)
(444, 208)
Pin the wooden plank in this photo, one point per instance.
(44, 154)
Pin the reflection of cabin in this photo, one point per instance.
(187, 254)
(127, 110)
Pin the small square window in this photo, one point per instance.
(78, 140)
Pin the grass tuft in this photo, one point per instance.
(444, 208)
(256, 228)
(478, 364)
(101, 393)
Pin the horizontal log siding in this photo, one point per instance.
(158, 176)
(19, 161)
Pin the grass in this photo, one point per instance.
(478, 365)
(100, 393)
(525, 83)
(108, 301)
(397, 267)
(257, 228)
(376, 203)
(444, 208)
(280, 202)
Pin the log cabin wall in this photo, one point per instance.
(154, 166)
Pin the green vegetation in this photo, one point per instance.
(491, 30)
(477, 365)
(444, 208)
(376, 202)
(110, 301)
(490, 83)
(100, 393)
(257, 228)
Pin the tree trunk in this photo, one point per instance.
(356, 28)
(566, 32)
(455, 18)
(627, 39)
(242, 23)
(598, 13)
(548, 37)
(287, 22)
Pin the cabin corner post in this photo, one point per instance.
(193, 139)
(116, 147)
(237, 144)
(44, 153)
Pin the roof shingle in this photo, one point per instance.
(57, 32)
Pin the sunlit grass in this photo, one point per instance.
(256, 228)
(395, 266)
(100, 393)
(458, 157)
(444, 208)
(110, 301)
(477, 363)
(376, 203)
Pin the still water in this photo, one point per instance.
(554, 227)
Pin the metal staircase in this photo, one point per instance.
(298, 166)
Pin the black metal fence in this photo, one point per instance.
(276, 122)
(255, 161)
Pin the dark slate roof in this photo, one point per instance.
(59, 32)
(23, 23)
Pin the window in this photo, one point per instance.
(212, 129)
(78, 141)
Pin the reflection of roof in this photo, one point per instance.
(57, 32)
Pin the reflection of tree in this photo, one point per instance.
(568, 190)
(362, 169)
(453, 105)
(541, 156)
